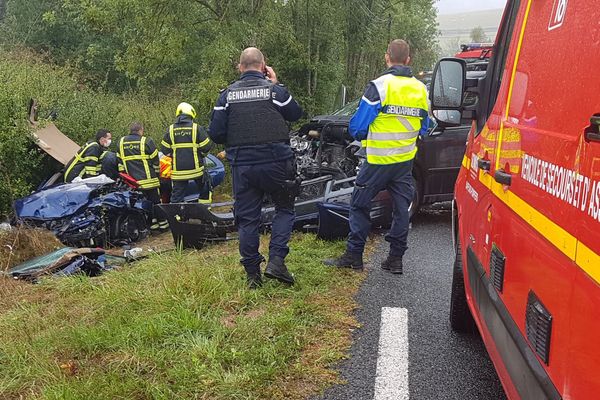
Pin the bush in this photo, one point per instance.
(81, 111)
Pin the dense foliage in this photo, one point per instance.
(80, 113)
(155, 45)
(117, 60)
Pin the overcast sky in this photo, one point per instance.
(460, 6)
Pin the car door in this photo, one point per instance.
(474, 192)
(439, 160)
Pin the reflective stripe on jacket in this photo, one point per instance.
(86, 162)
(393, 134)
(185, 142)
(138, 157)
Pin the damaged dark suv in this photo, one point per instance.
(328, 160)
(323, 146)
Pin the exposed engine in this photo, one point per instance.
(326, 149)
(327, 158)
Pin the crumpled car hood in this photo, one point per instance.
(57, 202)
(65, 200)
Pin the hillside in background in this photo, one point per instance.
(455, 29)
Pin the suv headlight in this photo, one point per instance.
(298, 144)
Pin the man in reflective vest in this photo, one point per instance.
(250, 119)
(87, 161)
(187, 143)
(138, 157)
(391, 115)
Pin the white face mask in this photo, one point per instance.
(107, 143)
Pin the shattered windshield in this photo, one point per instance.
(348, 109)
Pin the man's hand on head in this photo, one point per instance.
(271, 75)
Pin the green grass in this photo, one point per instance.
(180, 326)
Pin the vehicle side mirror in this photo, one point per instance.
(447, 88)
(448, 117)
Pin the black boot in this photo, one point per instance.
(392, 264)
(254, 281)
(346, 260)
(254, 278)
(276, 269)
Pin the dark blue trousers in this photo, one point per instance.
(180, 189)
(397, 179)
(250, 184)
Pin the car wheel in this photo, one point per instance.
(129, 228)
(461, 319)
(415, 204)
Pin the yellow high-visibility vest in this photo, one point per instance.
(393, 134)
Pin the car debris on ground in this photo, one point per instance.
(65, 262)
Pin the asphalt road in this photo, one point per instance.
(441, 363)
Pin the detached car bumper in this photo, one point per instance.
(195, 225)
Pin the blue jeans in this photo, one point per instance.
(250, 184)
(397, 179)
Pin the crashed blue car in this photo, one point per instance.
(101, 214)
(87, 214)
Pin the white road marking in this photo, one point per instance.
(391, 379)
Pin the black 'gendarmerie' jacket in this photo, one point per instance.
(259, 154)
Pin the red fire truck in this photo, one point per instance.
(527, 199)
(474, 52)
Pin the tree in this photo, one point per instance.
(449, 47)
(155, 47)
(478, 35)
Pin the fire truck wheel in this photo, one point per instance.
(461, 319)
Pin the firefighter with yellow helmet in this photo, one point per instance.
(186, 143)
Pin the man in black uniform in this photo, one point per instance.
(250, 119)
(187, 143)
(138, 157)
(109, 164)
(87, 163)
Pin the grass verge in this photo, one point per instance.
(180, 326)
(21, 244)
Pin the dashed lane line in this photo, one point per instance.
(391, 380)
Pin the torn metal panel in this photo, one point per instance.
(194, 225)
(55, 143)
